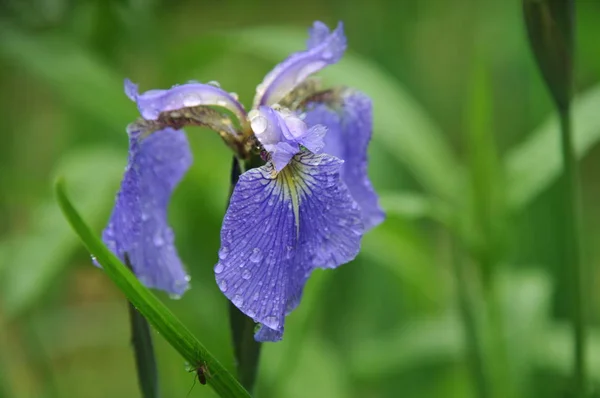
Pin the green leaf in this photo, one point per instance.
(157, 314)
(533, 165)
(32, 262)
(401, 125)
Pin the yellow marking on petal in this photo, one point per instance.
(295, 185)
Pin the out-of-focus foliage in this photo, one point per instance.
(465, 156)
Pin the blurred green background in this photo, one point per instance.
(465, 157)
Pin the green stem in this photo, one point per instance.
(141, 340)
(572, 244)
(467, 312)
(245, 348)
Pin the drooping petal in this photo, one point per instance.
(324, 48)
(348, 135)
(277, 229)
(138, 225)
(153, 102)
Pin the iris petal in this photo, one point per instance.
(324, 48)
(138, 225)
(349, 131)
(277, 229)
(152, 103)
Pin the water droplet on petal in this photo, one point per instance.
(251, 313)
(255, 296)
(214, 83)
(223, 252)
(327, 54)
(175, 296)
(235, 96)
(219, 268)
(259, 124)
(256, 255)
(158, 240)
(229, 236)
(191, 99)
(271, 322)
(289, 252)
(246, 274)
(237, 300)
(223, 285)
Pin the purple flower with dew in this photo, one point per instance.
(306, 208)
(138, 225)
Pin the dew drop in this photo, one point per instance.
(223, 252)
(327, 54)
(219, 268)
(235, 96)
(237, 300)
(271, 322)
(255, 296)
(259, 124)
(191, 99)
(251, 313)
(246, 274)
(222, 103)
(289, 252)
(223, 285)
(175, 296)
(158, 240)
(256, 255)
(214, 83)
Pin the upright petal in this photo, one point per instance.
(277, 229)
(138, 225)
(281, 132)
(324, 48)
(349, 132)
(153, 102)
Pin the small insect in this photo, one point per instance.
(202, 372)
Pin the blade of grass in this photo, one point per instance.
(157, 314)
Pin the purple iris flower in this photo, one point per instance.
(307, 207)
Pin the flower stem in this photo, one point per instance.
(467, 312)
(571, 199)
(245, 348)
(141, 340)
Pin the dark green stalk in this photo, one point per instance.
(471, 329)
(143, 349)
(245, 348)
(551, 30)
(571, 200)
